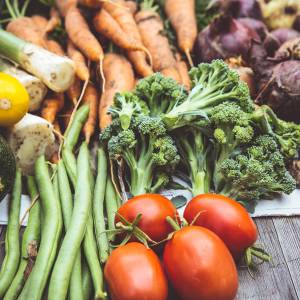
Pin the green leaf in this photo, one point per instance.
(179, 201)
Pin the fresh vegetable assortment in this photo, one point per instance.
(105, 104)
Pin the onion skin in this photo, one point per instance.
(256, 25)
(285, 34)
(225, 37)
(242, 8)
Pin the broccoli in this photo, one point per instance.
(231, 132)
(195, 149)
(148, 152)
(259, 172)
(160, 93)
(213, 84)
(287, 134)
(127, 105)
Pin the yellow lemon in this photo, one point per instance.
(14, 100)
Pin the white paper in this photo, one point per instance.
(287, 205)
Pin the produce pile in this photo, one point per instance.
(104, 104)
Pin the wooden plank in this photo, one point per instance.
(271, 281)
(288, 231)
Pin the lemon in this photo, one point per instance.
(14, 100)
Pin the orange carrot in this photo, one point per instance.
(172, 72)
(40, 22)
(183, 71)
(105, 24)
(55, 47)
(74, 90)
(26, 29)
(139, 61)
(182, 15)
(51, 106)
(132, 6)
(151, 28)
(80, 34)
(81, 68)
(90, 97)
(119, 77)
(54, 20)
(64, 5)
(90, 3)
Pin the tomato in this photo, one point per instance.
(199, 265)
(14, 100)
(154, 209)
(226, 218)
(133, 272)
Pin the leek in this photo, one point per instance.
(54, 71)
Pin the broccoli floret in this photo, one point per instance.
(258, 173)
(127, 105)
(213, 84)
(195, 150)
(232, 131)
(110, 130)
(148, 152)
(160, 93)
(287, 134)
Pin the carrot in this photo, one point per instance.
(80, 34)
(74, 90)
(40, 22)
(105, 24)
(54, 20)
(52, 106)
(183, 71)
(90, 97)
(172, 72)
(64, 5)
(119, 77)
(132, 6)
(90, 3)
(26, 29)
(151, 28)
(55, 47)
(139, 61)
(182, 15)
(82, 70)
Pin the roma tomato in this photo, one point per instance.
(133, 272)
(154, 209)
(226, 218)
(199, 265)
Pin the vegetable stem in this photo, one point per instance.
(12, 243)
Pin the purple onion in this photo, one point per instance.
(225, 37)
(285, 34)
(256, 25)
(242, 8)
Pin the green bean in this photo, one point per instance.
(98, 206)
(87, 284)
(50, 235)
(75, 288)
(12, 243)
(73, 132)
(71, 139)
(61, 274)
(111, 203)
(31, 238)
(90, 250)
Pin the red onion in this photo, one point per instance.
(241, 8)
(225, 37)
(285, 34)
(256, 25)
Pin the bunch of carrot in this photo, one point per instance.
(134, 28)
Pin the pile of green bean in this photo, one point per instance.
(65, 243)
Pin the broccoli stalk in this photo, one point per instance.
(258, 173)
(213, 84)
(287, 134)
(147, 151)
(194, 149)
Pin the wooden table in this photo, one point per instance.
(279, 280)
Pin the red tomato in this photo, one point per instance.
(226, 218)
(154, 209)
(133, 272)
(199, 265)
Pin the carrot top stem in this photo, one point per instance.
(15, 10)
